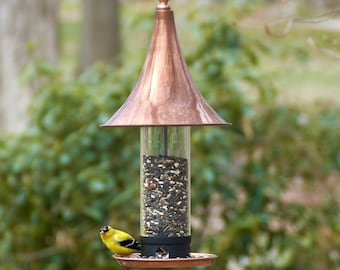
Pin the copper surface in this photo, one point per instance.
(195, 259)
(165, 94)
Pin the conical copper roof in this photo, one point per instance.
(165, 94)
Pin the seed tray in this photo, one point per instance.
(195, 259)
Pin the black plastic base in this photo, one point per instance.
(166, 247)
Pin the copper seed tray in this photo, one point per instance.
(195, 259)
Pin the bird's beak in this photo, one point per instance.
(102, 232)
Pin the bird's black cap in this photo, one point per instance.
(104, 228)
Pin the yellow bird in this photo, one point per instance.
(119, 242)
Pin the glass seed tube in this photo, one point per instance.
(165, 191)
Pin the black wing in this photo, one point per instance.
(130, 243)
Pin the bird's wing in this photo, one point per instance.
(129, 243)
(126, 240)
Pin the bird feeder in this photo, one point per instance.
(165, 103)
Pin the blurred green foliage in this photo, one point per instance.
(265, 192)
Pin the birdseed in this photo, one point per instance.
(165, 196)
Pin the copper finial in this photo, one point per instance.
(163, 4)
(165, 94)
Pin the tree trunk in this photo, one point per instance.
(23, 22)
(100, 33)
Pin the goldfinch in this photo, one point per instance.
(119, 242)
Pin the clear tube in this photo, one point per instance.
(165, 181)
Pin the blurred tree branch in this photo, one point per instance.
(289, 22)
